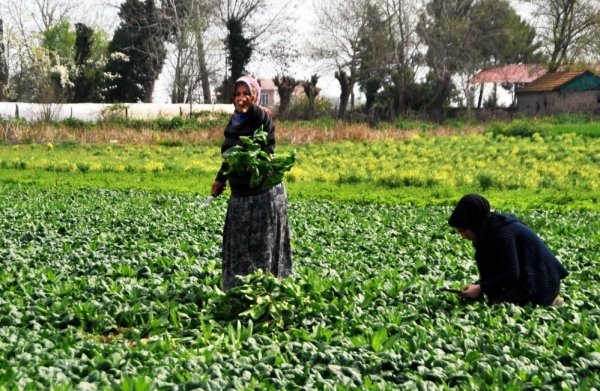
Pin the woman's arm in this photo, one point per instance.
(268, 125)
(504, 248)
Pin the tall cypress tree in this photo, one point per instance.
(140, 37)
(88, 78)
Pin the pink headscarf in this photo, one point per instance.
(252, 85)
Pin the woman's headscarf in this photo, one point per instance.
(470, 213)
(252, 85)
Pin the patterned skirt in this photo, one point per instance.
(256, 236)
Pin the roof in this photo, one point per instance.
(513, 73)
(267, 85)
(551, 81)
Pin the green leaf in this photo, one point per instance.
(378, 339)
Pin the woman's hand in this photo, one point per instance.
(472, 291)
(217, 188)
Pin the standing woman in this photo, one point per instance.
(514, 264)
(256, 233)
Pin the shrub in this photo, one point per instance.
(76, 123)
(518, 128)
(485, 180)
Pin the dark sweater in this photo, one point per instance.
(510, 255)
(254, 119)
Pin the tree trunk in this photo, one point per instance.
(202, 55)
(344, 81)
(285, 88)
(311, 91)
(177, 84)
(3, 64)
(435, 108)
(480, 99)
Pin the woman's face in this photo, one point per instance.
(242, 98)
(466, 233)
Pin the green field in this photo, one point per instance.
(110, 270)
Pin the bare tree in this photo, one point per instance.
(189, 21)
(401, 16)
(339, 27)
(46, 13)
(568, 28)
(446, 29)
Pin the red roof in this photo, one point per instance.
(514, 73)
(551, 81)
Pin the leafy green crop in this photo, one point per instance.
(265, 169)
(104, 289)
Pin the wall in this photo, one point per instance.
(547, 103)
(93, 111)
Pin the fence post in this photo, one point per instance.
(126, 114)
(17, 111)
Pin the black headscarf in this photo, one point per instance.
(471, 213)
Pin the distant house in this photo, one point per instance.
(511, 77)
(560, 92)
(270, 96)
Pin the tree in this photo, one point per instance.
(445, 28)
(568, 29)
(239, 51)
(3, 65)
(188, 21)
(346, 85)
(285, 88)
(312, 91)
(502, 38)
(339, 28)
(89, 78)
(137, 51)
(59, 40)
(373, 54)
(401, 22)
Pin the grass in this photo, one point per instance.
(187, 182)
(409, 162)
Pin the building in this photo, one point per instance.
(269, 95)
(560, 92)
(511, 77)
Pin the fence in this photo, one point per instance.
(94, 111)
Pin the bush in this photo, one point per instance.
(485, 180)
(299, 109)
(410, 124)
(570, 118)
(518, 128)
(76, 123)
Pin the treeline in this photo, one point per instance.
(404, 56)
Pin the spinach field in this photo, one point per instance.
(119, 289)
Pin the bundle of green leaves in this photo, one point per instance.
(265, 169)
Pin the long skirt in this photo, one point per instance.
(256, 236)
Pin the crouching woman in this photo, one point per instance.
(514, 264)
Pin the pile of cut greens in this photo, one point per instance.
(265, 169)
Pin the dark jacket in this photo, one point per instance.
(509, 254)
(254, 119)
